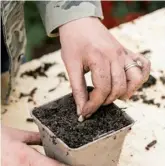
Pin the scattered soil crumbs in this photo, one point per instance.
(145, 52)
(157, 104)
(162, 79)
(151, 102)
(3, 112)
(143, 97)
(151, 144)
(53, 89)
(31, 100)
(135, 98)
(40, 71)
(163, 97)
(30, 94)
(62, 75)
(61, 118)
(151, 81)
(29, 120)
(144, 100)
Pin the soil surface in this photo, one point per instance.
(61, 118)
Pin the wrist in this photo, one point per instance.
(81, 22)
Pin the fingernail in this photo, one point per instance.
(78, 110)
(81, 118)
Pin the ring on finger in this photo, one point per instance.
(128, 66)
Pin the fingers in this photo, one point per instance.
(31, 138)
(37, 159)
(145, 64)
(134, 78)
(119, 85)
(28, 137)
(146, 67)
(78, 85)
(100, 69)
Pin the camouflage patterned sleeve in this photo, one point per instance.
(56, 13)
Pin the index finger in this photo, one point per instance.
(102, 86)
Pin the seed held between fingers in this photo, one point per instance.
(81, 118)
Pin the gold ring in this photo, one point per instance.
(130, 65)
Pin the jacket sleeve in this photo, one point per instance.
(56, 13)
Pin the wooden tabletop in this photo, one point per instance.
(144, 34)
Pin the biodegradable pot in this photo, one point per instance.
(102, 151)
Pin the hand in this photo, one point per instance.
(15, 152)
(88, 46)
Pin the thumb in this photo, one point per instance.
(28, 137)
(78, 85)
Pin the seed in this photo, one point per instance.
(81, 118)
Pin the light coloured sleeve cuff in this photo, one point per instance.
(54, 14)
